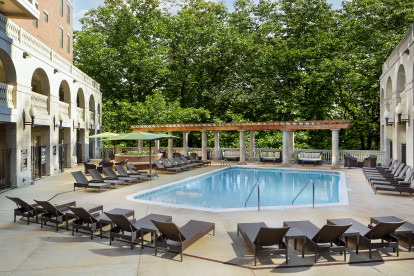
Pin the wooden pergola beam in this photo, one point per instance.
(288, 125)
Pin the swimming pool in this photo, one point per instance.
(227, 189)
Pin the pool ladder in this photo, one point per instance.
(313, 193)
(258, 196)
(225, 162)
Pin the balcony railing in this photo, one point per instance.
(64, 108)
(39, 101)
(91, 117)
(80, 113)
(7, 96)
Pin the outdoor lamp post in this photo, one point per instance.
(32, 113)
(399, 111)
(60, 119)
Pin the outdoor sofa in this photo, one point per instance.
(270, 156)
(310, 157)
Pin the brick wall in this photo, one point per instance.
(48, 32)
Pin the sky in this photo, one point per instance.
(82, 6)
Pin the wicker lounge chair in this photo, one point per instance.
(205, 162)
(54, 213)
(260, 238)
(395, 188)
(395, 163)
(350, 161)
(160, 167)
(328, 237)
(96, 175)
(25, 209)
(121, 170)
(397, 168)
(390, 163)
(369, 162)
(134, 171)
(83, 182)
(271, 156)
(130, 179)
(86, 221)
(87, 167)
(180, 162)
(167, 164)
(383, 231)
(399, 176)
(187, 161)
(177, 239)
(105, 162)
(400, 180)
(310, 157)
(130, 230)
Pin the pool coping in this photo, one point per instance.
(343, 193)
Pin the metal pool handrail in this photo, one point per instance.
(258, 196)
(224, 161)
(313, 193)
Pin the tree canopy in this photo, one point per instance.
(195, 61)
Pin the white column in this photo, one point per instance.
(185, 143)
(291, 145)
(285, 153)
(242, 147)
(384, 144)
(204, 145)
(157, 146)
(216, 145)
(335, 149)
(251, 146)
(140, 145)
(170, 146)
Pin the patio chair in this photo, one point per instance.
(383, 231)
(121, 170)
(130, 179)
(130, 230)
(83, 182)
(394, 164)
(390, 163)
(395, 171)
(398, 180)
(171, 164)
(134, 170)
(328, 237)
(160, 167)
(369, 162)
(350, 161)
(186, 161)
(177, 239)
(96, 175)
(86, 221)
(87, 167)
(399, 175)
(205, 162)
(180, 162)
(122, 163)
(260, 238)
(395, 188)
(54, 213)
(25, 209)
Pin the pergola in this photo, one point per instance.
(286, 127)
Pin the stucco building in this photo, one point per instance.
(397, 100)
(47, 105)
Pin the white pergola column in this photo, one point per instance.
(335, 149)
(285, 153)
(216, 145)
(204, 145)
(170, 147)
(242, 147)
(140, 145)
(291, 145)
(185, 143)
(251, 146)
(157, 146)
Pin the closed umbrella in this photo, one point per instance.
(142, 135)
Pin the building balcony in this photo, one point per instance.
(39, 101)
(7, 96)
(24, 9)
(64, 108)
(80, 114)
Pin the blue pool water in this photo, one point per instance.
(229, 188)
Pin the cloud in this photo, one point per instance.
(78, 15)
(95, 3)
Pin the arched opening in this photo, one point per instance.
(388, 94)
(41, 88)
(92, 114)
(80, 105)
(7, 70)
(64, 99)
(400, 81)
(98, 114)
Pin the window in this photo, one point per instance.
(61, 38)
(36, 5)
(68, 14)
(61, 7)
(35, 23)
(68, 43)
(45, 16)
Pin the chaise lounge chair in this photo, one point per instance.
(54, 213)
(395, 188)
(400, 180)
(131, 230)
(130, 179)
(83, 182)
(180, 162)
(259, 237)
(123, 172)
(383, 231)
(86, 221)
(205, 162)
(399, 176)
(25, 209)
(96, 175)
(177, 239)
(321, 238)
(188, 162)
(160, 167)
(134, 170)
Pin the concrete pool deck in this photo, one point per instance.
(30, 250)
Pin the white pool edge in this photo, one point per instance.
(343, 194)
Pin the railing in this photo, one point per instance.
(258, 196)
(225, 162)
(80, 113)
(7, 95)
(40, 102)
(91, 117)
(313, 193)
(64, 108)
